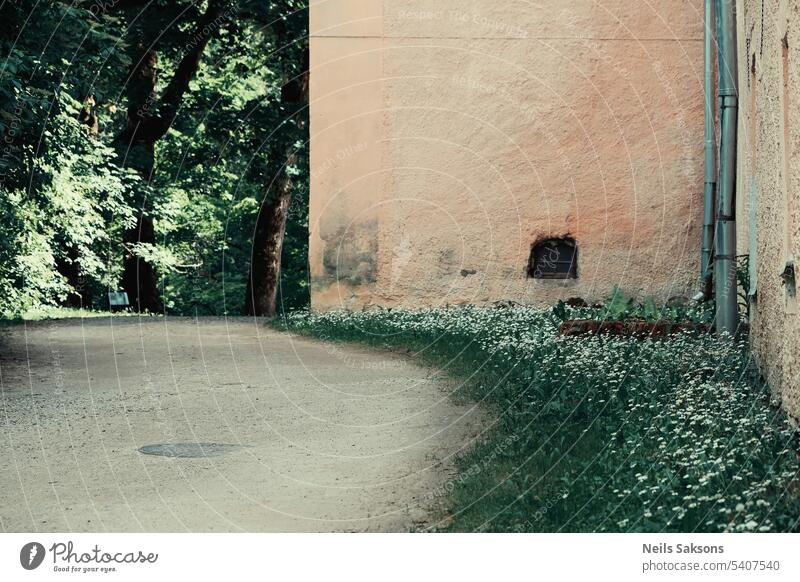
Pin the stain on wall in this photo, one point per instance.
(350, 255)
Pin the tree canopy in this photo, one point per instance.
(143, 139)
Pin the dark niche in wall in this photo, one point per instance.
(554, 258)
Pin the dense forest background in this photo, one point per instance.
(157, 147)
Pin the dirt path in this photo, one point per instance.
(326, 437)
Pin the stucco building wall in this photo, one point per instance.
(768, 184)
(448, 136)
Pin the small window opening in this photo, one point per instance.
(554, 258)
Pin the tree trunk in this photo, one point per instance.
(70, 268)
(88, 115)
(139, 277)
(265, 264)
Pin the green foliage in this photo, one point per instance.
(598, 433)
(215, 168)
(70, 211)
(62, 197)
(620, 307)
(65, 202)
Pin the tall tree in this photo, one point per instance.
(291, 42)
(149, 117)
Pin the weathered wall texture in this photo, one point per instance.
(768, 187)
(447, 136)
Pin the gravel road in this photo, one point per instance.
(317, 436)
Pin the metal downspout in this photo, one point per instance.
(710, 146)
(727, 317)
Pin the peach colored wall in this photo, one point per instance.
(447, 136)
(769, 182)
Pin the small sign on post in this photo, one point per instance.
(117, 300)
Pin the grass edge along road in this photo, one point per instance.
(595, 433)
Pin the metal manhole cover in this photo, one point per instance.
(188, 450)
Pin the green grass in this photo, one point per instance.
(596, 433)
(45, 312)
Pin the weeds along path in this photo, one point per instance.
(318, 436)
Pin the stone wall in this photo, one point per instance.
(448, 136)
(768, 185)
